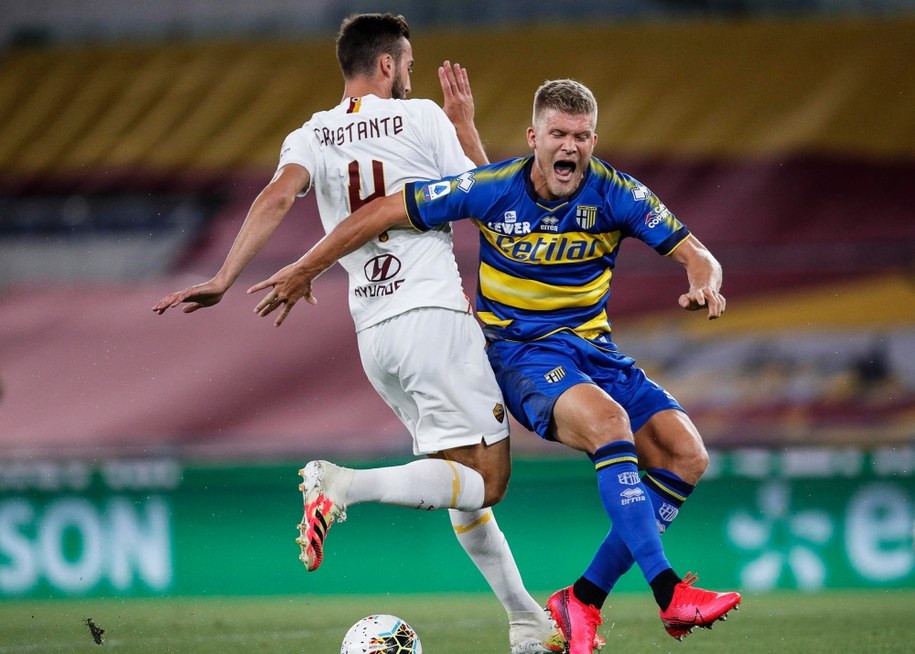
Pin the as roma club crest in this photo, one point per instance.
(499, 412)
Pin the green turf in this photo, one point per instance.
(855, 622)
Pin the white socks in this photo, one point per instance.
(436, 484)
(480, 536)
(422, 484)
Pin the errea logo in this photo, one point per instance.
(465, 181)
(632, 495)
(640, 192)
(549, 224)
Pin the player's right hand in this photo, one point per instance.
(458, 97)
(193, 297)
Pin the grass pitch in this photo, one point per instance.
(873, 622)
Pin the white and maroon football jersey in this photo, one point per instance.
(366, 148)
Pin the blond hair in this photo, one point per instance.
(564, 95)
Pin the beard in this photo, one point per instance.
(397, 90)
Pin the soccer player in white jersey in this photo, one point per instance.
(404, 288)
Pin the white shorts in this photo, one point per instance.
(431, 368)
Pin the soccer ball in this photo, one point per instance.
(381, 634)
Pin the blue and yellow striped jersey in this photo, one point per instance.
(545, 266)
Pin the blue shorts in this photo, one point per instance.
(533, 374)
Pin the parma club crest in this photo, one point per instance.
(585, 216)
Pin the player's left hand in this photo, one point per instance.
(287, 286)
(458, 96)
(699, 298)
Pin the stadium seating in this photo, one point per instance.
(787, 147)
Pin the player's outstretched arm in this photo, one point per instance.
(293, 282)
(705, 277)
(266, 213)
(458, 106)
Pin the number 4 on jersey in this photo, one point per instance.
(355, 184)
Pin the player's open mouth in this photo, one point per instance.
(564, 169)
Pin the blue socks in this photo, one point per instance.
(626, 501)
(640, 511)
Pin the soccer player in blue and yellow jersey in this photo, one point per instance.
(551, 225)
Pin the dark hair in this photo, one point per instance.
(365, 37)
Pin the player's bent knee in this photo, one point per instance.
(688, 465)
(494, 493)
(701, 461)
(495, 484)
(696, 465)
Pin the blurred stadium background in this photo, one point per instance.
(134, 136)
